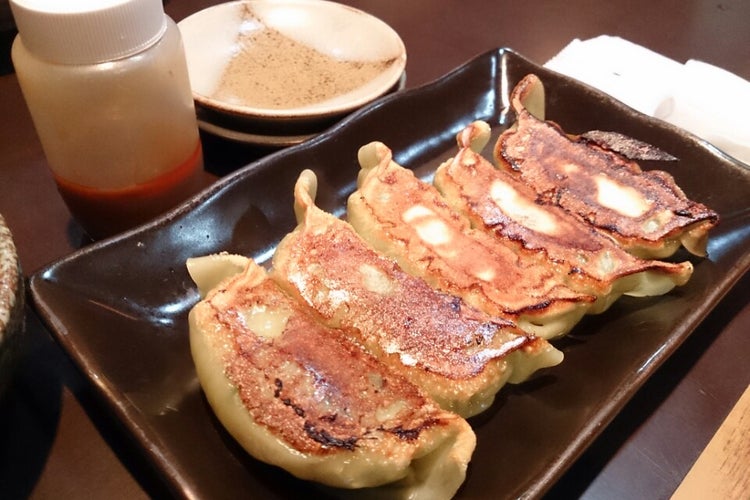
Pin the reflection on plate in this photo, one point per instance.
(119, 307)
(289, 60)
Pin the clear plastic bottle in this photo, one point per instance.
(107, 87)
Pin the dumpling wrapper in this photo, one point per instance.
(644, 211)
(458, 355)
(302, 396)
(501, 204)
(410, 221)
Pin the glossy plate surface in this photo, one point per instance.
(119, 307)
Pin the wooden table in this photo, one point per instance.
(56, 439)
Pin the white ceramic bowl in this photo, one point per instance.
(289, 61)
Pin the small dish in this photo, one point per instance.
(293, 62)
(272, 135)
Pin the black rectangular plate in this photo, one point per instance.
(119, 307)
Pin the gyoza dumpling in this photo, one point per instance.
(304, 397)
(410, 221)
(498, 202)
(644, 211)
(456, 354)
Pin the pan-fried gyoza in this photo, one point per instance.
(409, 220)
(457, 354)
(305, 397)
(501, 204)
(645, 211)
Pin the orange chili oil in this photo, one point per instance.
(104, 212)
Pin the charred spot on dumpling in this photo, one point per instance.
(323, 437)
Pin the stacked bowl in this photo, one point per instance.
(279, 72)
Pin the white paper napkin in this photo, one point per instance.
(708, 101)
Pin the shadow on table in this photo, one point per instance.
(222, 156)
(29, 412)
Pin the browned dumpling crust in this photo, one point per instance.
(409, 220)
(645, 211)
(303, 396)
(457, 354)
(499, 203)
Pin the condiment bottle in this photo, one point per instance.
(107, 87)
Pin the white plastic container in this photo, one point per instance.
(107, 86)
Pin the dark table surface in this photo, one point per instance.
(58, 441)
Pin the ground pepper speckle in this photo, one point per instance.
(273, 71)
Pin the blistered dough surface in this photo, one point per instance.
(302, 396)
